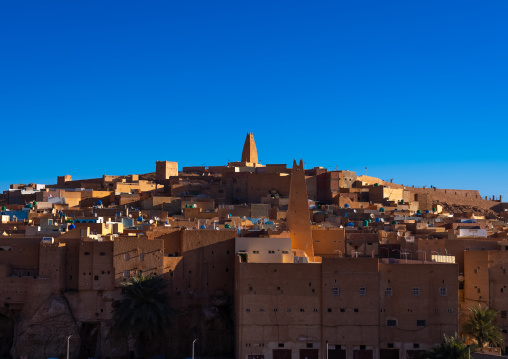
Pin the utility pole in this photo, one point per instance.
(194, 341)
(68, 339)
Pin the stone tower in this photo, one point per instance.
(298, 216)
(250, 153)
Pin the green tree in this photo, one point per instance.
(144, 311)
(449, 348)
(482, 328)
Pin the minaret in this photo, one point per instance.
(250, 153)
(298, 216)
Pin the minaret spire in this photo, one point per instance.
(298, 216)
(250, 153)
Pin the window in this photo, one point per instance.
(342, 310)
(281, 345)
(416, 291)
(285, 252)
(391, 323)
(475, 271)
(271, 252)
(302, 310)
(390, 346)
(127, 274)
(335, 291)
(356, 310)
(442, 291)
(141, 256)
(421, 323)
(329, 310)
(102, 253)
(310, 345)
(255, 252)
(416, 345)
(87, 253)
(96, 277)
(247, 310)
(389, 291)
(503, 314)
(127, 256)
(363, 290)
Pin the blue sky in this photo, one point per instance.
(413, 90)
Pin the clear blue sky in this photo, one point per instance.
(414, 90)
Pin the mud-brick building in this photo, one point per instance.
(361, 307)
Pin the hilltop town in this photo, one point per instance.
(260, 261)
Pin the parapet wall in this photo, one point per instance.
(428, 196)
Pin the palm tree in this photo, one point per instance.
(482, 328)
(449, 348)
(143, 312)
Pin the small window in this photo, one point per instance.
(389, 291)
(87, 253)
(141, 256)
(302, 310)
(96, 277)
(356, 310)
(416, 345)
(335, 290)
(102, 253)
(342, 310)
(285, 252)
(363, 290)
(503, 314)
(421, 323)
(390, 345)
(442, 291)
(416, 291)
(127, 274)
(391, 323)
(310, 345)
(247, 310)
(363, 347)
(475, 271)
(281, 345)
(271, 252)
(127, 256)
(255, 252)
